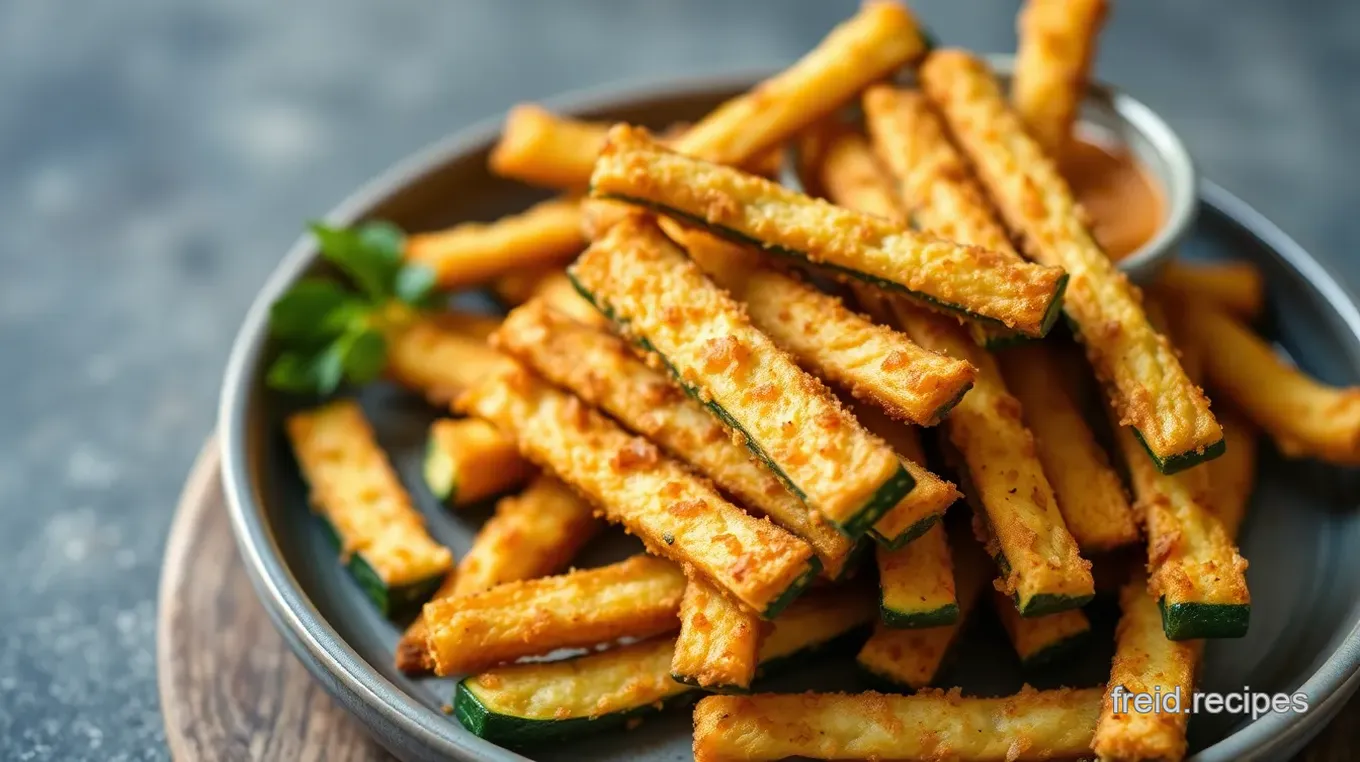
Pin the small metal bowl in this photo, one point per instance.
(1121, 119)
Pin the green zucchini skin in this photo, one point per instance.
(1050, 317)
(1043, 603)
(912, 532)
(392, 602)
(919, 619)
(884, 498)
(1180, 461)
(519, 732)
(1055, 652)
(1193, 621)
(791, 593)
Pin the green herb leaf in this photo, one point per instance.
(365, 355)
(317, 373)
(312, 311)
(414, 284)
(369, 253)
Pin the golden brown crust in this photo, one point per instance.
(675, 513)
(928, 725)
(1019, 295)
(1147, 386)
(548, 233)
(601, 369)
(635, 598)
(1052, 63)
(719, 639)
(709, 342)
(1305, 417)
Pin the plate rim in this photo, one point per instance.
(395, 718)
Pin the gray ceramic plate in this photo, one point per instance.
(1303, 536)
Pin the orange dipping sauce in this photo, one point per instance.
(1124, 203)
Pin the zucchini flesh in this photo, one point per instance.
(916, 583)
(1052, 63)
(1044, 570)
(635, 598)
(533, 534)
(752, 210)
(931, 724)
(916, 513)
(718, 642)
(440, 361)
(676, 514)
(912, 657)
(787, 418)
(1147, 385)
(873, 362)
(1305, 417)
(381, 536)
(467, 461)
(1196, 571)
(602, 370)
(548, 233)
(1090, 493)
(522, 704)
(1042, 640)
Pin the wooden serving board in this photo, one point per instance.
(231, 689)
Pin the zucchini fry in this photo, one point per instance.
(1305, 417)
(548, 233)
(1237, 288)
(1090, 493)
(916, 583)
(356, 493)
(541, 148)
(1147, 386)
(789, 420)
(1233, 476)
(718, 642)
(468, 461)
(601, 369)
(913, 657)
(1043, 568)
(516, 288)
(932, 180)
(558, 292)
(873, 362)
(527, 703)
(635, 598)
(1031, 725)
(926, 503)
(875, 42)
(1052, 63)
(676, 514)
(439, 361)
(1041, 640)
(533, 534)
(752, 210)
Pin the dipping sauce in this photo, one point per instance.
(1125, 204)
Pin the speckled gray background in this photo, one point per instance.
(156, 157)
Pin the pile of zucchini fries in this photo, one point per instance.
(740, 374)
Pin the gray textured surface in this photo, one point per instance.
(157, 157)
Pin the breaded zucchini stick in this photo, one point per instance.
(1043, 568)
(675, 513)
(718, 642)
(1090, 493)
(541, 148)
(1031, 725)
(1147, 386)
(875, 363)
(533, 534)
(1237, 288)
(913, 657)
(752, 210)
(1041, 640)
(788, 419)
(1052, 64)
(468, 461)
(382, 537)
(439, 361)
(635, 598)
(1233, 476)
(1304, 416)
(547, 233)
(926, 503)
(603, 371)
(916, 583)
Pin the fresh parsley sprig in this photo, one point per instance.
(330, 332)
